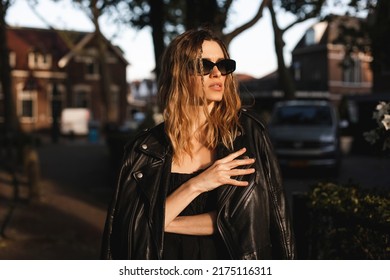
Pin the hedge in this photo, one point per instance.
(343, 222)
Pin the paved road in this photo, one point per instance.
(76, 183)
(80, 169)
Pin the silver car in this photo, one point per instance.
(305, 133)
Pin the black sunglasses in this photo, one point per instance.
(225, 66)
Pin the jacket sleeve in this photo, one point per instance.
(282, 237)
(281, 231)
(126, 207)
(132, 224)
(107, 234)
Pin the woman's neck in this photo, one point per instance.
(201, 119)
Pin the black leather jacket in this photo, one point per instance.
(253, 221)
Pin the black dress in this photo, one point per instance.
(193, 247)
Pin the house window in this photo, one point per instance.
(297, 70)
(27, 105)
(81, 99)
(92, 69)
(37, 60)
(310, 37)
(352, 72)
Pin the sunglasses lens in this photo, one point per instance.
(207, 66)
(225, 66)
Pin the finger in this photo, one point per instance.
(232, 156)
(240, 162)
(238, 183)
(239, 172)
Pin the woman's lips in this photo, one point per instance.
(216, 86)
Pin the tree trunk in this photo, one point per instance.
(157, 24)
(285, 79)
(379, 31)
(11, 125)
(202, 13)
(106, 110)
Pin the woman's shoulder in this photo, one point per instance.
(147, 136)
(249, 116)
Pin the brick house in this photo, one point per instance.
(319, 68)
(53, 69)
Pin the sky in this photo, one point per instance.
(253, 50)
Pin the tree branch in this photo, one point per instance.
(229, 36)
(69, 43)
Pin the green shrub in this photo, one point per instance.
(349, 223)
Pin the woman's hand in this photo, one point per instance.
(222, 171)
(216, 175)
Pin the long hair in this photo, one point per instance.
(180, 102)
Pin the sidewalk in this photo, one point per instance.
(76, 182)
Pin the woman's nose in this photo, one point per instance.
(215, 71)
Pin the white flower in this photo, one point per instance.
(383, 108)
(382, 117)
(386, 121)
(380, 106)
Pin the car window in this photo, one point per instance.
(303, 115)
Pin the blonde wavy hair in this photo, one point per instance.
(180, 102)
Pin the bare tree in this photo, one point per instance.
(303, 10)
(93, 9)
(237, 31)
(11, 125)
(94, 12)
(377, 29)
(170, 17)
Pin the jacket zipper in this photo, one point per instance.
(243, 197)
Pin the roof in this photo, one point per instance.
(44, 40)
(62, 44)
(327, 31)
(82, 43)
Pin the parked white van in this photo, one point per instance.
(305, 133)
(74, 121)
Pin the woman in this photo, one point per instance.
(204, 184)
